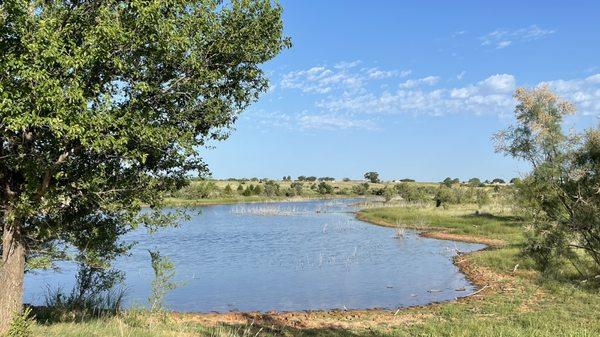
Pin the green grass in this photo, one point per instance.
(520, 301)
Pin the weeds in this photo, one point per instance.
(21, 324)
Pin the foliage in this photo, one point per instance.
(272, 188)
(475, 182)
(373, 177)
(104, 106)
(164, 272)
(482, 197)
(561, 193)
(324, 188)
(389, 193)
(199, 190)
(94, 295)
(445, 195)
(360, 189)
(411, 192)
(21, 324)
(228, 191)
(448, 182)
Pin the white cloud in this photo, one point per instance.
(502, 38)
(584, 93)
(376, 73)
(334, 122)
(429, 80)
(319, 80)
(503, 44)
(346, 64)
(491, 95)
(342, 75)
(351, 97)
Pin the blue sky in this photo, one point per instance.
(410, 89)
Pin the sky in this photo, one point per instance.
(410, 89)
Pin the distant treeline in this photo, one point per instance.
(449, 191)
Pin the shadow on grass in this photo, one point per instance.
(278, 330)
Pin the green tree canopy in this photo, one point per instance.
(373, 177)
(104, 107)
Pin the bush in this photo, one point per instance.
(324, 188)
(199, 190)
(360, 189)
(410, 192)
(164, 272)
(297, 186)
(272, 188)
(20, 325)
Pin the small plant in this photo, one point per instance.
(400, 231)
(164, 272)
(21, 324)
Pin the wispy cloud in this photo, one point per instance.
(502, 38)
(343, 75)
(584, 93)
(429, 80)
(355, 97)
(334, 122)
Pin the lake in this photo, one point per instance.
(284, 256)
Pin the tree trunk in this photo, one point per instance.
(12, 269)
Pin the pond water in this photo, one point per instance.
(284, 256)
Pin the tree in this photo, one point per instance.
(561, 192)
(389, 193)
(448, 182)
(410, 192)
(482, 197)
(104, 107)
(360, 189)
(373, 177)
(297, 186)
(474, 182)
(228, 191)
(324, 188)
(498, 181)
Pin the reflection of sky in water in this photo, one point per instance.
(314, 256)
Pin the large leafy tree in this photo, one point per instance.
(104, 106)
(561, 194)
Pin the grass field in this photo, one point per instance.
(514, 300)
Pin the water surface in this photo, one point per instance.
(285, 256)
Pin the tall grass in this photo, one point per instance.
(61, 307)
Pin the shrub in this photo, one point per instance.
(410, 192)
(20, 325)
(297, 186)
(360, 189)
(324, 188)
(272, 188)
(164, 272)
